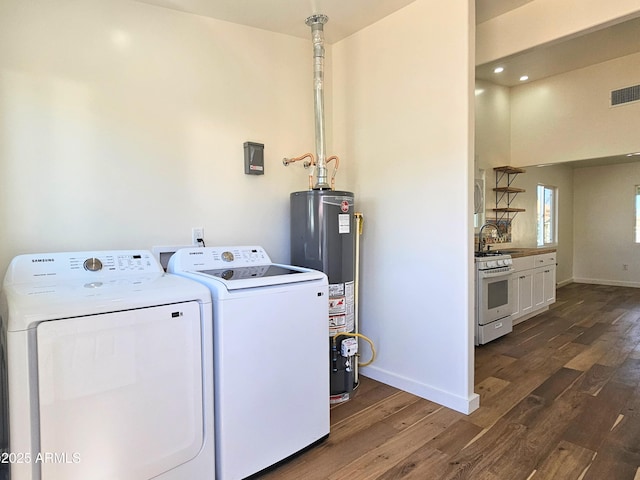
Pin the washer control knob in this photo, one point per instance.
(227, 256)
(92, 264)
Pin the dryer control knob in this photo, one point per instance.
(92, 264)
(227, 256)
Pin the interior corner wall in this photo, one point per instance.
(403, 116)
(604, 218)
(492, 126)
(568, 117)
(122, 126)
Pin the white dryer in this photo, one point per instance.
(270, 355)
(107, 360)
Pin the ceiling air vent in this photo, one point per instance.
(625, 95)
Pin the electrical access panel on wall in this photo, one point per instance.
(253, 158)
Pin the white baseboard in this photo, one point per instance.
(613, 283)
(564, 282)
(460, 404)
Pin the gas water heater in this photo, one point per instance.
(323, 237)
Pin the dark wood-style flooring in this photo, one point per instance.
(560, 399)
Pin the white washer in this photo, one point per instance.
(108, 366)
(270, 355)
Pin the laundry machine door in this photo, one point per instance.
(120, 394)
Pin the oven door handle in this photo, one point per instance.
(490, 274)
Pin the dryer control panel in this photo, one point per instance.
(80, 265)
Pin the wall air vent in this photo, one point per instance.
(625, 95)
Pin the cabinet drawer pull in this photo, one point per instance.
(523, 276)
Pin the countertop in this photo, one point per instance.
(526, 252)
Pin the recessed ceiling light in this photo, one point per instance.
(498, 70)
(524, 78)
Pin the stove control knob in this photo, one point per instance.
(92, 264)
(501, 263)
(491, 264)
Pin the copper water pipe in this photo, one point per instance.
(335, 170)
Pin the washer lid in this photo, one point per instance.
(260, 276)
(237, 267)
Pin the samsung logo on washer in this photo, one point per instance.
(42, 260)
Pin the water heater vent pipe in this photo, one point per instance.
(316, 22)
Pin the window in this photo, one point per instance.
(547, 215)
(637, 232)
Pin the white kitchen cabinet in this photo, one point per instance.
(538, 288)
(550, 285)
(522, 286)
(548, 267)
(533, 284)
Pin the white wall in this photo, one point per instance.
(567, 117)
(122, 126)
(604, 212)
(492, 125)
(403, 91)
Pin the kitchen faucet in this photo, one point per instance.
(480, 236)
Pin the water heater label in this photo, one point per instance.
(344, 223)
(337, 305)
(341, 307)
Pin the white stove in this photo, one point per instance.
(492, 261)
(494, 296)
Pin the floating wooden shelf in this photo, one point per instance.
(509, 170)
(506, 193)
(509, 189)
(508, 210)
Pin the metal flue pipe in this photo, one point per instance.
(316, 22)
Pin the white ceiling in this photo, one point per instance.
(487, 9)
(567, 54)
(287, 16)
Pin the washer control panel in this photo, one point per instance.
(85, 265)
(209, 258)
(92, 264)
(237, 257)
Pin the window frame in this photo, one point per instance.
(636, 233)
(541, 219)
